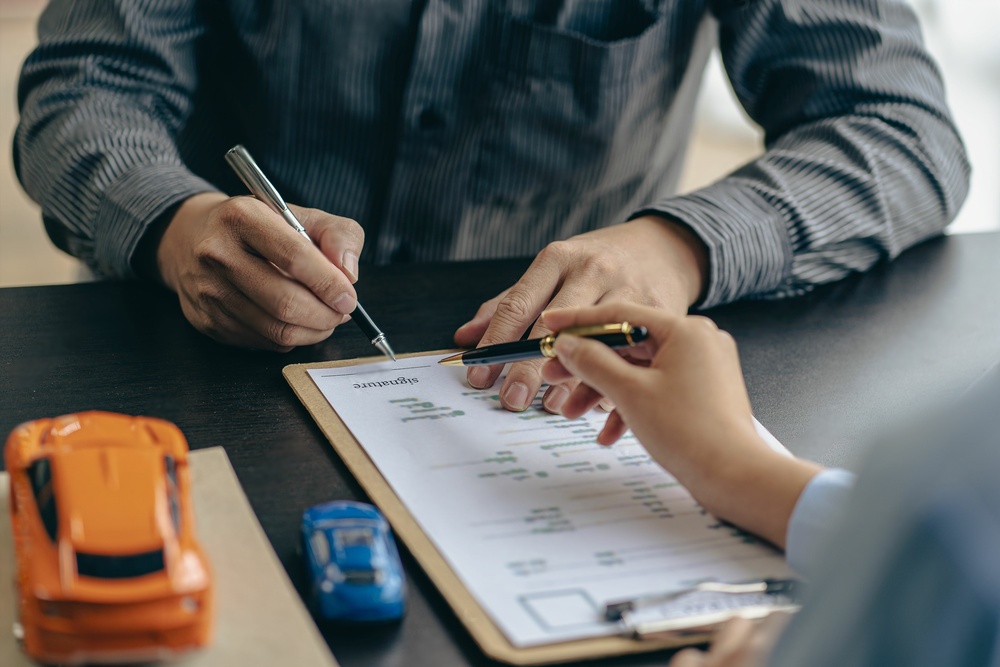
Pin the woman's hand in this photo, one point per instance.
(740, 643)
(682, 393)
(649, 260)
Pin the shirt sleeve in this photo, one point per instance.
(861, 161)
(102, 99)
(816, 514)
(911, 574)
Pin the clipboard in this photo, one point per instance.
(479, 624)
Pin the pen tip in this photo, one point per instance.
(453, 360)
(384, 348)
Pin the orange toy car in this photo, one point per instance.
(108, 566)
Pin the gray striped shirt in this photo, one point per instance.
(488, 128)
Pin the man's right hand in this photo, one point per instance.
(246, 278)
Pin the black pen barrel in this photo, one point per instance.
(365, 323)
(504, 353)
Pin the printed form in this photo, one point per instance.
(542, 525)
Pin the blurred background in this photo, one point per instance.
(959, 33)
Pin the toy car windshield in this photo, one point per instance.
(119, 567)
(363, 577)
(354, 537)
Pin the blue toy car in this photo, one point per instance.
(354, 568)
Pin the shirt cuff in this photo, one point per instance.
(816, 514)
(749, 252)
(132, 203)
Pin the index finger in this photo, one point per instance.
(522, 304)
(513, 315)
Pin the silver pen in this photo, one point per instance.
(239, 159)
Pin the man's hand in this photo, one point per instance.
(681, 392)
(649, 260)
(246, 278)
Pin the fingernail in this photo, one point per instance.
(479, 377)
(607, 405)
(516, 396)
(351, 266)
(345, 303)
(555, 397)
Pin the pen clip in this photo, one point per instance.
(597, 329)
(246, 168)
(787, 588)
(700, 624)
(701, 608)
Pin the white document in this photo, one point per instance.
(542, 525)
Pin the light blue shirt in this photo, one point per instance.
(906, 571)
(819, 509)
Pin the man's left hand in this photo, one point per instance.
(649, 260)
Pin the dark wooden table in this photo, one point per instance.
(826, 374)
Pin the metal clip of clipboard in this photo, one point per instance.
(701, 608)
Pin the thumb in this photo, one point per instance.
(597, 366)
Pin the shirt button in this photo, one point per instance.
(430, 119)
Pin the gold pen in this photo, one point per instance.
(618, 335)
